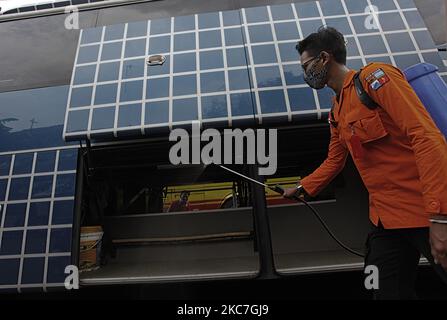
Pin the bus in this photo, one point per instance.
(85, 119)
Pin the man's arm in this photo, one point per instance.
(329, 169)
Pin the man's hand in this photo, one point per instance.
(291, 193)
(438, 242)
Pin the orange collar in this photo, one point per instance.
(348, 78)
(346, 83)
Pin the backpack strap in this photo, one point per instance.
(362, 94)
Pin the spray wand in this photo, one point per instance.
(280, 190)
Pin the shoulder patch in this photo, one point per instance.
(377, 79)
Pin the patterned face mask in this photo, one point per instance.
(316, 79)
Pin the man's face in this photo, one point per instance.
(184, 197)
(307, 61)
(315, 68)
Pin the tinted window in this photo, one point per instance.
(183, 23)
(67, 159)
(261, 33)
(236, 57)
(132, 90)
(23, 163)
(5, 163)
(81, 97)
(233, 37)
(90, 35)
(238, 79)
(209, 20)
(242, 104)
(157, 112)
(231, 18)
(184, 42)
(137, 29)
(264, 54)
(108, 71)
(157, 88)
(286, 31)
(159, 44)
(272, 101)
(39, 213)
(111, 51)
(129, 115)
(15, 215)
(114, 32)
(34, 118)
(65, 185)
(103, 118)
(42, 187)
(36, 241)
(18, 189)
(160, 26)
(212, 82)
(268, 77)
(184, 85)
(209, 39)
(256, 14)
(184, 109)
(106, 93)
(88, 54)
(211, 59)
(133, 68)
(184, 62)
(214, 107)
(282, 12)
(307, 10)
(84, 74)
(63, 212)
(60, 240)
(135, 48)
(77, 120)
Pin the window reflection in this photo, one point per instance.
(157, 112)
(272, 101)
(184, 109)
(212, 81)
(211, 59)
(103, 118)
(214, 107)
(268, 77)
(209, 20)
(32, 118)
(282, 12)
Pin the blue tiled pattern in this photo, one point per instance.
(36, 217)
(232, 65)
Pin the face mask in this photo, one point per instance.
(316, 79)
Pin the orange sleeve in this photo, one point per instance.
(329, 169)
(399, 100)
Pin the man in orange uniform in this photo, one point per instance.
(400, 154)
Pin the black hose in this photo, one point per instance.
(325, 226)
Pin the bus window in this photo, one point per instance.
(163, 221)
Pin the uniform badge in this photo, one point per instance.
(377, 79)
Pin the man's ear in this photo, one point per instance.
(325, 56)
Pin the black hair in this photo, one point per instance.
(325, 39)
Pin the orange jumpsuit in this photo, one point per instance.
(403, 162)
